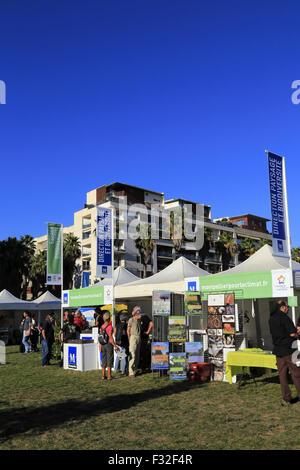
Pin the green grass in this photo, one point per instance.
(52, 408)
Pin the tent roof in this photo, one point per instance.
(47, 301)
(176, 271)
(264, 260)
(121, 276)
(171, 278)
(9, 302)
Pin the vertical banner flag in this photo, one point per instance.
(104, 242)
(85, 279)
(54, 254)
(277, 181)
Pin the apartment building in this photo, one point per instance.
(128, 202)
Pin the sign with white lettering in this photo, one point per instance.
(104, 242)
(278, 206)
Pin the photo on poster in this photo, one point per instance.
(214, 321)
(178, 366)
(161, 303)
(177, 329)
(217, 374)
(160, 355)
(212, 332)
(215, 299)
(229, 341)
(194, 351)
(212, 310)
(219, 332)
(193, 303)
(215, 347)
(228, 318)
(228, 328)
(229, 299)
(221, 310)
(230, 310)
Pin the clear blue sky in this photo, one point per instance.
(178, 96)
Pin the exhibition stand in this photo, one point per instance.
(83, 354)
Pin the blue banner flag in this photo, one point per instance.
(104, 242)
(278, 205)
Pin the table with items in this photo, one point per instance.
(239, 362)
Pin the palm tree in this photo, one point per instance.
(72, 252)
(226, 247)
(29, 250)
(145, 245)
(12, 259)
(176, 228)
(208, 243)
(246, 248)
(296, 254)
(37, 273)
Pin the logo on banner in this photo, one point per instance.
(281, 283)
(192, 286)
(72, 357)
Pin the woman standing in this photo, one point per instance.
(107, 346)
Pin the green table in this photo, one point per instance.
(237, 361)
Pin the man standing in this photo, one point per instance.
(134, 337)
(27, 332)
(47, 339)
(146, 327)
(284, 333)
(68, 331)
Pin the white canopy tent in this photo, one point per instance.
(264, 260)
(258, 311)
(9, 302)
(171, 278)
(120, 276)
(47, 301)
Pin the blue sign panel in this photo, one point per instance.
(104, 242)
(72, 357)
(277, 183)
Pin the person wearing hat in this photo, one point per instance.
(121, 340)
(134, 337)
(108, 346)
(47, 338)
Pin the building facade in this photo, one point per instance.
(133, 205)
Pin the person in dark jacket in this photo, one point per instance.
(284, 336)
(47, 339)
(121, 340)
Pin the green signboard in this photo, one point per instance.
(87, 297)
(251, 285)
(54, 254)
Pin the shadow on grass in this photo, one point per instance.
(39, 419)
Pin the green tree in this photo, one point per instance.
(145, 245)
(71, 252)
(246, 248)
(296, 254)
(12, 259)
(208, 243)
(226, 247)
(29, 250)
(37, 273)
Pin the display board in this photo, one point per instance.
(160, 355)
(193, 303)
(178, 366)
(161, 303)
(221, 330)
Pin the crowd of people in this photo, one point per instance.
(124, 347)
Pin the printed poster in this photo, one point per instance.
(178, 366)
(193, 304)
(177, 329)
(161, 303)
(160, 356)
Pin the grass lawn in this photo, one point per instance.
(52, 408)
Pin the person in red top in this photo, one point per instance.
(107, 349)
(78, 319)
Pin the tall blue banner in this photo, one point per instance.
(104, 242)
(85, 279)
(278, 206)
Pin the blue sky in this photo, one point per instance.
(181, 97)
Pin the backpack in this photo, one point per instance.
(103, 336)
